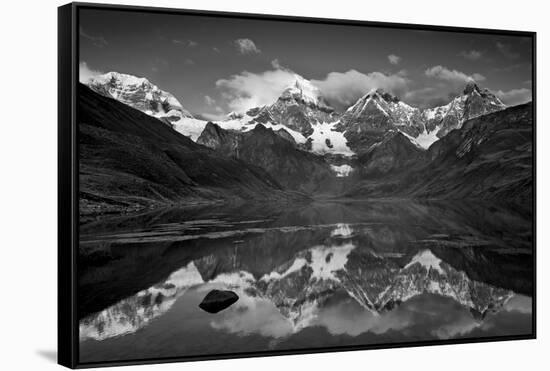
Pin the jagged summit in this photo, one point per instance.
(299, 107)
(470, 87)
(303, 91)
(234, 115)
(376, 97)
(379, 93)
(126, 79)
(473, 102)
(139, 93)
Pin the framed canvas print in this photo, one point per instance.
(236, 185)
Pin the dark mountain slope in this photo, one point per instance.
(393, 152)
(373, 116)
(223, 141)
(130, 160)
(489, 157)
(290, 166)
(473, 102)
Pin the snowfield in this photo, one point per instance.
(425, 139)
(193, 128)
(341, 170)
(324, 131)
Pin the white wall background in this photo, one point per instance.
(28, 182)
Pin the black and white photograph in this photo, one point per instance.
(261, 186)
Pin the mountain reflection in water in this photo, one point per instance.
(323, 274)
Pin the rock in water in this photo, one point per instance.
(217, 300)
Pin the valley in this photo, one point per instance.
(142, 149)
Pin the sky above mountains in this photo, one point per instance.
(215, 65)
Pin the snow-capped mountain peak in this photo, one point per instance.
(302, 111)
(379, 111)
(234, 115)
(471, 87)
(117, 78)
(381, 94)
(303, 91)
(380, 99)
(473, 102)
(139, 93)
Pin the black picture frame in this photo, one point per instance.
(68, 180)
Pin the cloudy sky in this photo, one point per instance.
(216, 65)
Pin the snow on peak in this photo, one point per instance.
(428, 260)
(342, 230)
(323, 260)
(122, 79)
(378, 96)
(304, 90)
(378, 100)
(139, 93)
(342, 170)
(234, 115)
(379, 93)
(471, 87)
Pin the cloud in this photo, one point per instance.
(472, 55)
(432, 96)
(515, 96)
(253, 315)
(506, 50)
(511, 67)
(454, 76)
(188, 43)
(519, 303)
(275, 64)
(209, 100)
(246, 46)
(247, 89)
(342, 89)
(394, 59)
(449, 83)
(98, 41)
(216, 112)
(213, 116)
(85, 73)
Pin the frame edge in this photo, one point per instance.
(68, 183)
(66, 349)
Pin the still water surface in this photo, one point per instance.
(317, 275)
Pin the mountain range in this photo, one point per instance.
(302, 111)
(130, 160)
(278, 243)
(302, 286)
(298, 147)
